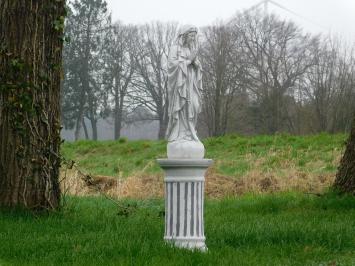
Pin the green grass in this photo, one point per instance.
(233, 155)
(114, 158)
(276, 229)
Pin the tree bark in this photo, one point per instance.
(80, 116)
(345, 178)
(31, 40)
(94, 128)
(163, 124)
(118, 117)
(118, 125)
(85, 129)
(162, 130)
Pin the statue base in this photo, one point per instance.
(185, 150)
(184, 202)
(189, 243)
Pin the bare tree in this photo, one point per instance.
(150, 85)
(222, 77)
(119, 69)
(276, 56)
(329, 86)
(344, 106)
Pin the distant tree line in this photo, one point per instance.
(262, 75)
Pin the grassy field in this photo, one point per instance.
(266, 211)
(277, 229)
(234, 155)
(241, 164)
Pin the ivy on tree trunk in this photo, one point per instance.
(345, 179)
(31, 40)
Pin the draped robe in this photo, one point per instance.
(184, 89)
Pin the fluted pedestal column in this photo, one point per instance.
(184, 200)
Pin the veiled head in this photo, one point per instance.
(187, 35)
(187, 29)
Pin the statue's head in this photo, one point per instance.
(188, 35)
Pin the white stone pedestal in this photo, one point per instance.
(184, 200)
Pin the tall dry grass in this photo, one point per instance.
(256, 180)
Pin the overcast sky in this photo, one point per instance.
(330, 16)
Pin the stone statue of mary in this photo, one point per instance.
(184, 89)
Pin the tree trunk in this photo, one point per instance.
(118, 125)
(217, 107)
(163, 125)
(94, 128)
(118, 114)
(85, 129)
(80, 116)
(345, 179)
(31, 34)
